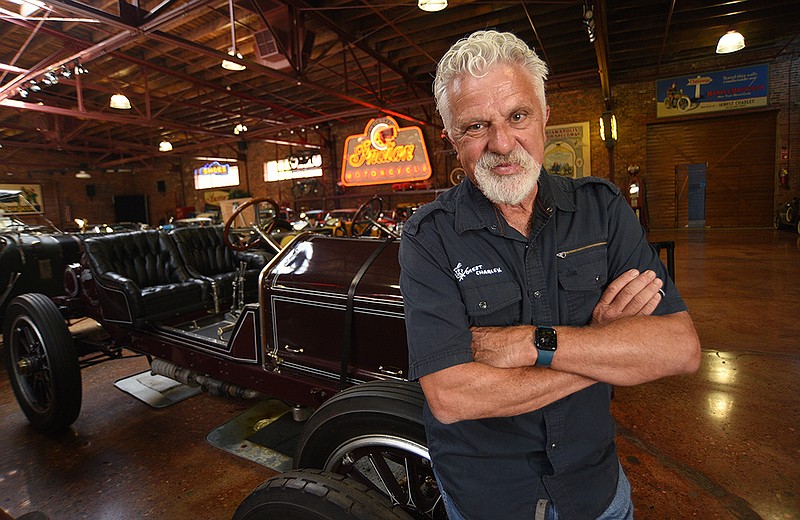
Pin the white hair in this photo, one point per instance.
(475, 54)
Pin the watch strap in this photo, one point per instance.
(544, 358)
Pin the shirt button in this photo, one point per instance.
(553, 446)
(549, 210)
(482, 304)
(597, 278)
(537, 294)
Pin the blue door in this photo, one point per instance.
(697, 195)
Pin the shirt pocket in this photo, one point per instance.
(582, 276)
(494, 304)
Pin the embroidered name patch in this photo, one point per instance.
(462, 272)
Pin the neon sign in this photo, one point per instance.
(213, 168)
(216, 175)
(385, 153)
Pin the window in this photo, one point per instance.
(297, 166)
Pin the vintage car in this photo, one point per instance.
(209, 311)
(34, 252)
(788, 215)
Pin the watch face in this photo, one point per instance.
(545, 338)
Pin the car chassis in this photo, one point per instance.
(327, 333)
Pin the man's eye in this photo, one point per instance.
(517, 117)
(476, 127)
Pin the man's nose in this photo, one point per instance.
(501, 139)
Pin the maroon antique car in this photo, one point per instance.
(318, 323)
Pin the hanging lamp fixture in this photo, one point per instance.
(227, 64)
(432, 6)
(731, 41)
(120, 102)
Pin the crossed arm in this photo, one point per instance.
(623, 345)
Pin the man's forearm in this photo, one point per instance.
(627, 351)
(477, 391)
(631, 350)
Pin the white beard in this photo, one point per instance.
(507, 189)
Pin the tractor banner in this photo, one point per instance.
(733, 89)
(385, 153)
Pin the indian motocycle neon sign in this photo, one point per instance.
(385, 153)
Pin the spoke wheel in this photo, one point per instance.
(366, 216)
(42, 363)
(457, 175)
(253, 233)
(316, 495)
(373, 434)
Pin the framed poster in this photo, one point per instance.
(731, 89)
(567, 150)
(27, 201)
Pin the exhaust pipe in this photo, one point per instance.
(191, 378)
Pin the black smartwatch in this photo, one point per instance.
(546, 341)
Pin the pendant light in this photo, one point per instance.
(227, 64)
(120, 102)
(731, 41)
(432, 6)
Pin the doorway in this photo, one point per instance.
(732, 163)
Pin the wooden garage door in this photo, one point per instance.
(739, 154)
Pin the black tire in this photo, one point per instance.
(777, 222)
(373, 433)
(684, 104)
(42, 363)
(315, 495)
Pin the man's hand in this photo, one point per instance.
(631, 294)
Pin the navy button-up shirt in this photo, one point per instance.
(462, 265)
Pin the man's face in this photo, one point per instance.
(497, 128)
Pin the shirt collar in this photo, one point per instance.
(474, 211)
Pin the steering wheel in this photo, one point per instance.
(252, 234)
(366, 218)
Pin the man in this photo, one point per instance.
(527, 296)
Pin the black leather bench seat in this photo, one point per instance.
(141, 279)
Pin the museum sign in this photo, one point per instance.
(385, 153)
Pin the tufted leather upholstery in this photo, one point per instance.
(141, 278)
(206, 256)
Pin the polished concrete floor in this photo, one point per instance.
(721, 444)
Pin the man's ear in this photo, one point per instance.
(446, 135)
(546, 114)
